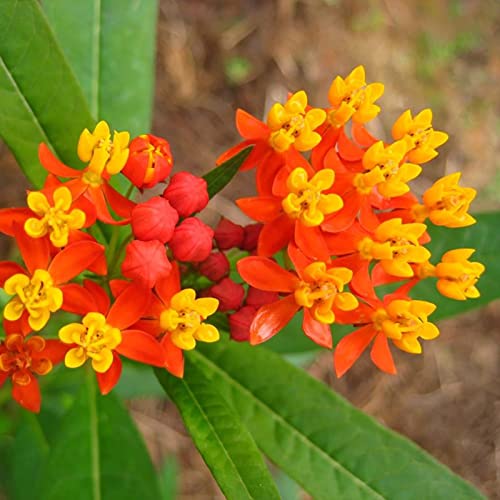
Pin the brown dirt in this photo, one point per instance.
(216, 56)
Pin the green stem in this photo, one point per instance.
(130, 190)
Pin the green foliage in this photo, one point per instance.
(219, 435)
(40, 99)
(114, 59)
(98, 453)
(330, 448)
(219, 177)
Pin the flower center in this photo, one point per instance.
(56, 220)
(92, 178)
(21, 357)
(306, 201)
(37, 295)
(183, 319)
(95, 339)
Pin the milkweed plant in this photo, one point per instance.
(114, 263)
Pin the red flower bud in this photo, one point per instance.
(145, 262)
(229, 293)
(228, 234)
(239, 323)
(187, 193)
(154, 219)
(257, 298)
(192, 240)
(251, 237)
(150, 161)
(215, 267)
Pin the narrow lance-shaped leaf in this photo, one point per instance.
(218, 178)
(113, 57)
(40, 99)
(98, 454)
(221, 438)
(332, 449)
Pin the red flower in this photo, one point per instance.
(192, 240)
(240, 322)
(154, 219)
(187, 193)
(150, 161)
(215, 267)
(22, 359)
(106, 332)
(228, 293)
(145, 262)
(228, 234)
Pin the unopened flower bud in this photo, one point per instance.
(192, 240)
(251, 237)
(145, 262)
(187, 193)
(154, 219)
(239, 323)
(228, 234)
(150, 161)
(257, 298)
(229, 294)
(215, 267)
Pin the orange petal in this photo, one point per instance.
(35, 251)
(53, 165)
(28, 396)
(328, 142)
(141, 346)
(11, 216)
(75, 258)
(361, 135)
(101, 206)
(168, 286)
(8, 269)
(121, 205)
(345, 217)
(271, 318)
(78, 300)
(319, 333)
(54, 350)
(381, 354)
(101, 298)
(151, 326)
(265, 274)
(261, 208)
(311, 241)
(227, 155)
(129, 306)
(347, 149)
(361, 283)
(174, 357)
(109, 378)
(350, 348)
(250, 127)
(275, 235)
(299, 259)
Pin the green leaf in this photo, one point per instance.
(330, 448)
(99, 454)
(218, 178)
(110, 45)
(223, 441)
(168, 475)
(40, 99)
(485, 238)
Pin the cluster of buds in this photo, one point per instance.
(141, 313)
(341, 220)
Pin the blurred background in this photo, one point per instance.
(216, 56)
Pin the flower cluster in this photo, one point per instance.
(339, 219)
(91, 251)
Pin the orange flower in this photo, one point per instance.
(93, 181)
(39, 290)
(177, 316)
(301, 203)
(290, 128)
(23, 358)
(398, 318)
(316, 288)
(105, 333)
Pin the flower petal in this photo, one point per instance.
(129, 306)
(265, 274)
(78, 300)
(381, 354)
(174, 357)
(167, 287)
(109, 378)
(319, 333)
(350, 348)
(250, 127)
(28, 396)
(142, 347)
(261, 208)
(271, 318)
(53, 165)
(275, 235)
